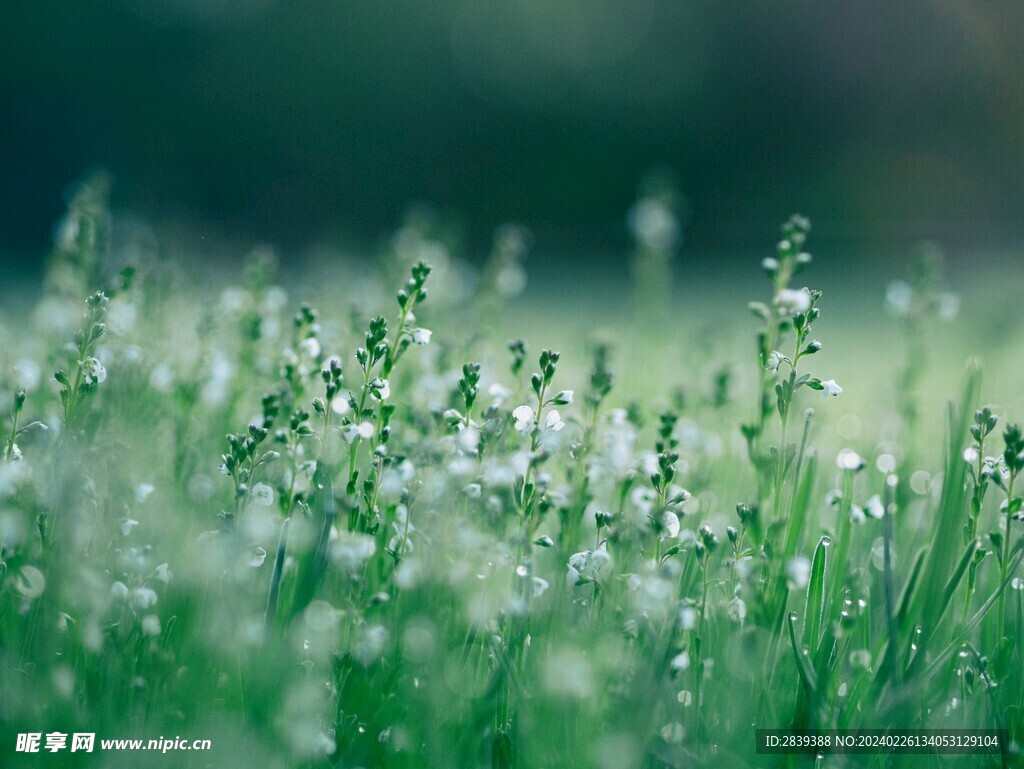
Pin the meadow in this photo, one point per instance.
(402, 512)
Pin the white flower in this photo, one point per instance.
(142, 491)
(142, 598)
(830, 388)
(119, 591)
(874, 507)
(310, 347)
(262, 495)
(681, 661)
(257, 557)
(857, 516)
(381, 388)
(792, 301)
(798, 572)
(151, 624)
(588, 565)
(421, 336)
(848, 459)
(127, 525)
(970, 455)
(92, 371)
(898, 296)
(775, 360)
(161, 378)
(669, 525)
(525, 418)
(687, 618)
(654, 224)
(553, 421)
(539, 586)
(163, 573)
(564, 397)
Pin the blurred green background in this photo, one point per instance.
(320, 122)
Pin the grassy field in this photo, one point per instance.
(337, 519)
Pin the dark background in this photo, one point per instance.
(288, 122)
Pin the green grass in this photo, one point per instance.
(683, 538)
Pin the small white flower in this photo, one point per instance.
(127, 525)
(525, 418)
(588, 565)
(970, 455)
(775, 360)
(798, 572)
(142, 491)
(380, 388)
(539, 586)
(151, 625)
(898, 297)
(848, 459)
(792, 301)
(262, 495)
(92, 371)
(257, 557)
(499, 393)
(142, 598)
(421, 336)
(829, 388)
(874, 507)
(669, 525)
(564, 397)
(553, 421)
(687, 618)
(365, 430)
(310, 347)
(770, 264)
(163, 573)
(119, 591)
(681, 661)
(857, 516)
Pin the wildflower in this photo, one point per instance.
(563, 398)
(142, 491)
(791, 301)
(669, 525)
(857, 516)
(310, 347)
(127, 525)
(119, 591)
(262, 495)
(141, 598)
(681, 661)
(151, 625)
(92, 371)
(588, 565)
(553, 421)
(421, 336)
(798, 572)
(525, 418)
(874, 507)
(163, 573)
(848, 459)
(830, 388)
(539, 586)
(380, 388)
(775, 360)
